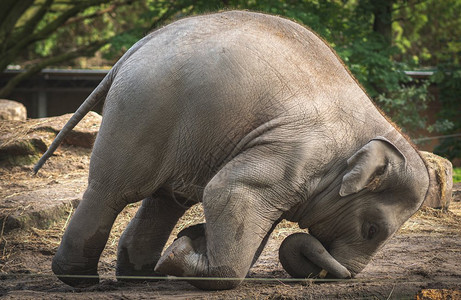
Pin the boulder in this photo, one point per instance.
(12, 110)
(441, 181)
(23, 142)
(38, 201)
(42, 207)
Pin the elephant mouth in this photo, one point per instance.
(303, 256)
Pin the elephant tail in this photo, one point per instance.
(94, 98)
(99, 93)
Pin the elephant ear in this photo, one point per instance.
(370, 166)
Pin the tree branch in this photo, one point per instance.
(98, 13)
(32, 23)
(94, 15)
(60, 20)
(21, 44)
(5, 9)
(10, 12)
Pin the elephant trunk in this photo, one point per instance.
(303, 256)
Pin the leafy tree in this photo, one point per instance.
(41, 33)
(377, 39)
(429, 31)
(448, 80)
(54, 30)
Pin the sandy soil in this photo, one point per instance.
(423, 259)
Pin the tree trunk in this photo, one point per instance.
(382, 24)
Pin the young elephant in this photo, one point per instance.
(257, 118)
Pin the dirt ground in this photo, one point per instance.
(422, 260)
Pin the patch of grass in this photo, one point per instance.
(456, 174)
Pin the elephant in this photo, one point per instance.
(257, 118)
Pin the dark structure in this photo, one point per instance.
(54, 92)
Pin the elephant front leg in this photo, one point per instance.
(226, 252)
(238, 219)
(143, 240)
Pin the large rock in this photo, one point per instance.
(23, 142)
(12, 110)
(441, 181)
(41, 208)
(37, 201)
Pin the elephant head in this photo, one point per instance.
(351, 219)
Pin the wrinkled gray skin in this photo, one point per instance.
(255, 117)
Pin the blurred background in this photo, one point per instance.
(406, 53)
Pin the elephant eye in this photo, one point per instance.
(381, 170)
(369, 230)
(372, 230)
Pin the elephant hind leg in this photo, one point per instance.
(142, 242)
(76, 260)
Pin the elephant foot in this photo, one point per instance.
(75, 275)
(180, 259)
(186, 254)
(186, 257)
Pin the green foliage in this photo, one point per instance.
(41, 33)
(369, 60)
(448, 80)
(406, 104)
(428, 31)
(328, 18)
(377, 39)
(369, 57)
(398, 95)
(456, 175)
(77, 34)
